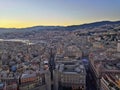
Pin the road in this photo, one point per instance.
(90, 83)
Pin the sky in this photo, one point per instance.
(27, 13)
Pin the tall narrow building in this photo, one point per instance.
(118, 46)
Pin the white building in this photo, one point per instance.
(118, 46)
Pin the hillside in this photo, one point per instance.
(103, 25)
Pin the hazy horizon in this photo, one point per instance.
(56, 25)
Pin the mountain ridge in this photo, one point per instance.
(94, 24)
(69, 28)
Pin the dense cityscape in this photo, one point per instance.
(61, 58)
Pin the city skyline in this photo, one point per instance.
(27, 13)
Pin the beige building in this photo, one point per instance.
(98, 45)
(70, 74)
(110, 81)
(40, 81)
(104, 67)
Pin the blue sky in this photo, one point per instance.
(24, 13)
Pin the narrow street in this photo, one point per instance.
(90, 83)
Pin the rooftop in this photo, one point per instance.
(73, 67)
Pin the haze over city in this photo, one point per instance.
(27, 13)
(59, 44)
